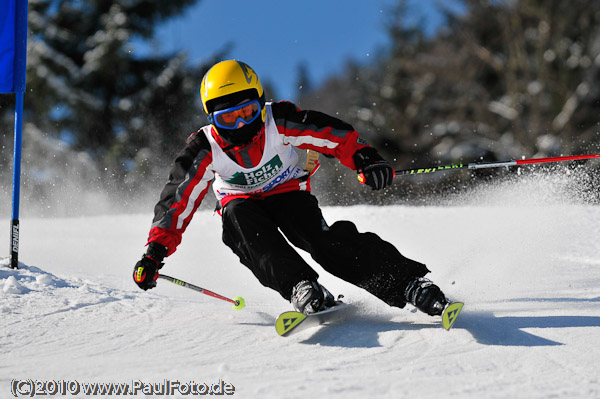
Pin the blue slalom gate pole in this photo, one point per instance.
(19, 79)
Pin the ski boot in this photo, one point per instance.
(425, 296)
(311, 297)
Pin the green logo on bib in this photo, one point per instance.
(257, 177)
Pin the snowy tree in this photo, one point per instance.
(499, 80)
(90, 84)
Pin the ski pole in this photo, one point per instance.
(238, 301)
(484, 165)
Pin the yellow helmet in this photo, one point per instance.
(231, 79)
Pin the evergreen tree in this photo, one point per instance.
(499, 80)
(90, 85)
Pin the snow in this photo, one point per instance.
(527, 267)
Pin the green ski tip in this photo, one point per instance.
(451, 314)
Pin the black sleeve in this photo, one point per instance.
(317, 131)
(289, 116)
(196, 143)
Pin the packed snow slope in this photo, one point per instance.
(523, 256)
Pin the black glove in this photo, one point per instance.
(145, 272)
(372, 169)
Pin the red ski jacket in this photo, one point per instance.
(192, 169)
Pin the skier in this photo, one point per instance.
(264, 197)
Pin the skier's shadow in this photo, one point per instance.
(485, 327)
(488, 329)
(507, 331)
(360, 331)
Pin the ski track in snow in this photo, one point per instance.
(529, 275)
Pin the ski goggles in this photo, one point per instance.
(230, 118)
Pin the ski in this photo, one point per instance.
(450, 314)
(290, 323)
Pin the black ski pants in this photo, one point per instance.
(256, 231)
